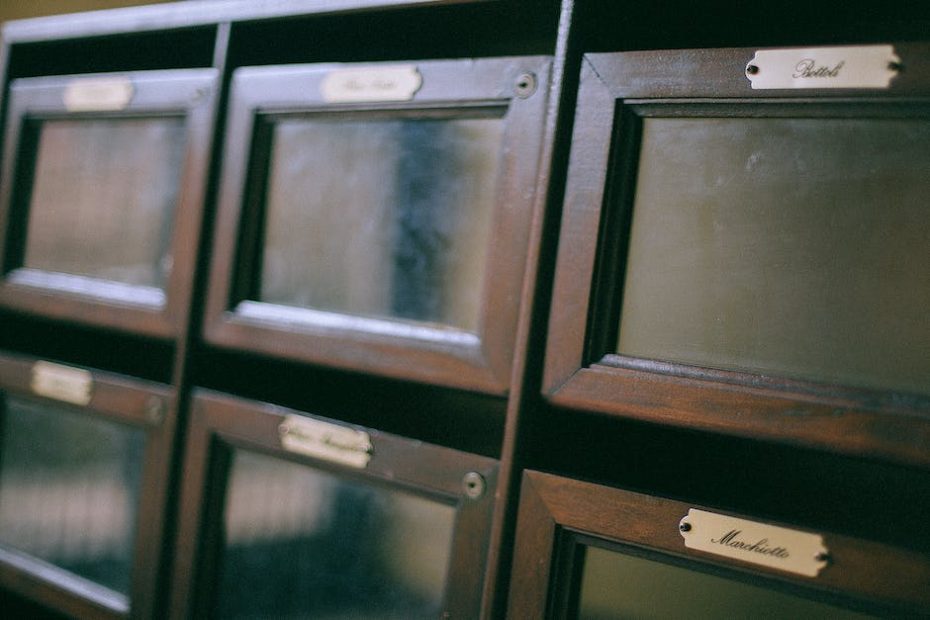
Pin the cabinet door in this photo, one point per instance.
(589, 551)
(84, 464)
(286, 514)
(749, 260)
(102, 195)
(375, 217)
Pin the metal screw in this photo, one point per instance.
(474, 485)
(200, 94)
(823, 557)
(684, 527)
(525, 86)
(752, 69)
(897, 67)
(155, 410)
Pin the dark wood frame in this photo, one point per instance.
(185, 93)
(478, 361)
(557, 515)
(149, 407)
(581, 371)
(220, 423)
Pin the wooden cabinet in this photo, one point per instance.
(457, 307)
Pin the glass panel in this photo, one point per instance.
(789, 246)
(304, 543)
(381, 217)
(69, 489)
(616, 586)
(103, 198)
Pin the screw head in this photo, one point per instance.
(525, 85)
(823, 557)
(752, 69)
(155, 410)
(684, 527)
(474, 485)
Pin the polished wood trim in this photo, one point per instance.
(189, 93)
(188, 14)
(553, 508)
(441, 355)
(861, 422)
(524, 381)
(150, 407)
(220, 422)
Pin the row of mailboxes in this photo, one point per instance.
(285, 513)
(380, 229)
(740, 241)
(741, 251)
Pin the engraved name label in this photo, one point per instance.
(326, 441)
(371, 84)
(71, 385)
(758, 543)
(98, 94)
(869, 66)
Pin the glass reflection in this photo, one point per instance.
(790, 246)
(615, 586)
(103, 198)
(301, 543)
(69, 489)
(381, 217)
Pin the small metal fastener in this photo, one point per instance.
(897, 67)
(684, 527)
(525, 85)
(474, 485)
(155, 410)
(823, 557)
(752, 69)
(200, 94)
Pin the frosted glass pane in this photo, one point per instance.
(797, 247)
(104, 197)
(302, 543)
(69, 489)
(616, 586)
(381, 218)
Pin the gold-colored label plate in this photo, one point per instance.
(98, 94)
(371, 84)
(781, 548)
(867, 66)
(64, 383)
(326, 441)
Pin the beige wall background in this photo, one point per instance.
(20, 9)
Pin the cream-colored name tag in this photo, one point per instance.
(98, 94)
(322, 440)
(71, 385)
(371, 84)
(868, 66)
(776, 547)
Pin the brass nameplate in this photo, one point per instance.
(71, 385)
(775, 547)
(868, 66)
(98, 94)
(326, 441)
(371, 84)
